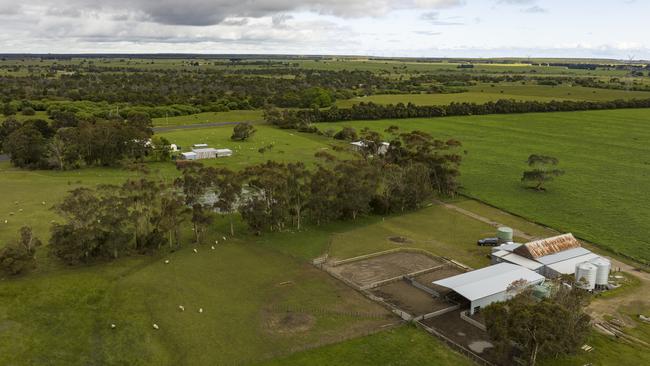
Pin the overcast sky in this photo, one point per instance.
(433, 28)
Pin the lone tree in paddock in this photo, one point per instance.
(543, 169)
(19, 256)
(242, 131)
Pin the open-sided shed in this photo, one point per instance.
(490, 284)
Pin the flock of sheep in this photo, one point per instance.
(181, 308)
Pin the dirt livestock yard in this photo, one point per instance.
(409, 298)
(463, 333)
(369, 271)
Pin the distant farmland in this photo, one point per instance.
(606, 154)
(486, 93)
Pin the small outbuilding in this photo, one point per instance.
(485, 286)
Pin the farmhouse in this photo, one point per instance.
(490, 284)
(551, 257)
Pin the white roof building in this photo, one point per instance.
(490, 284)
(189, 155)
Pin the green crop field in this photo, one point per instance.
(603, 196)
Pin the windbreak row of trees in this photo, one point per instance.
(71, 143)
(144, 215)
(371, 111)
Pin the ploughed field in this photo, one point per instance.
(603, 197)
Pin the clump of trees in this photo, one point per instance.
(19, 256)
(69, 142)
(527, 328)
(111, 221)
(243, 131)
(543, 169)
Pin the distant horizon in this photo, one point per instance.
(294, 55)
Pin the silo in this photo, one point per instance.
(504, 234)
(603, 267)
(586, 275)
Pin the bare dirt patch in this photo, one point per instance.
(289, 322)
(387, 266)
(409, 298)
(400, 240)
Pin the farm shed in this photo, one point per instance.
(223, 153)
(206, 153)
(484, 286)
(189, 156)
(550, 257)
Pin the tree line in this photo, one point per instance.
(69, 142)
(144, 215)
(370, 111)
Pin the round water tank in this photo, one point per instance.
(504, 234)
(586, 275)
(603, 267)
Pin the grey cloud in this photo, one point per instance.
(211, 12)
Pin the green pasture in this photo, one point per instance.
(257, 304)
(606, 155)
(287, 145)
(558, 92)
(484, 93)
(404, 346)
(440, 99)
(210, 117)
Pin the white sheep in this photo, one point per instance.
(212, 247)
(216, 241)
(166, 261)
(155, 326)
(181, 307)
(113, 326)
(223, 237)
(6, 221)
(195, 251)
(43, 203)
(200, 310)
